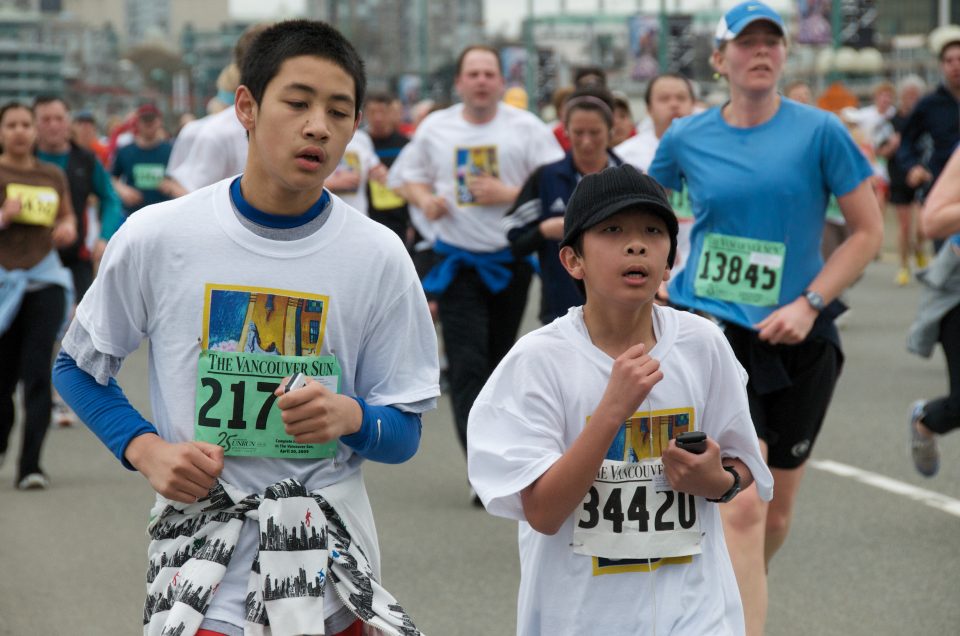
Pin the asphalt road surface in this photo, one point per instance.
(875, 548)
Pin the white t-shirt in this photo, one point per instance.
(534, 407)
(447, 151)
(639, 150)
(419, 220)
(348, 290)
(360, 157)
(183, 143)
(218, 151)
(872, 122)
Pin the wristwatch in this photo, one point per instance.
(815, 300)
(734, 489)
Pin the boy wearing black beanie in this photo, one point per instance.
(574, 436)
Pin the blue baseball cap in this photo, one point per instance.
(736, 20)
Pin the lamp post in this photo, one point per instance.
(422, 52)
(531, 70)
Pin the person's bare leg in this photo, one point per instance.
(744, 528)
(904, 247)
(780, 511)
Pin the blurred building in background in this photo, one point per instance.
(30, 63)
(110, 55)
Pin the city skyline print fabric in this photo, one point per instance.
(305, 550)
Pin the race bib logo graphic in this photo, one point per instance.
(253, 320)
(349, 163)
(645, 436)
(472, 162)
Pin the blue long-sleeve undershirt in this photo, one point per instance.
(386, 434)
(105, 409)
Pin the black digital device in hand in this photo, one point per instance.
(692, 441)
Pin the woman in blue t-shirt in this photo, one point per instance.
(759, 171)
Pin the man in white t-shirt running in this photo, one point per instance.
(464, 168)
(261, 508)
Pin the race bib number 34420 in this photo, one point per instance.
(236, 406)
(740, 270)
(630, 512)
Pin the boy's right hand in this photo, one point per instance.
(183, 471)
(633, 376)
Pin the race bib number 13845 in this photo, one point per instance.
(740, 270)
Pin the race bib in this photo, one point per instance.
(38, 204)
(148, 176)
(383, 198)
(740, 270)
(680, 202)
(472, 162)
(630, 512)
(350, 162)
(236, 408)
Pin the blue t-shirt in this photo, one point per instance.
(143, 169)
(770, 182)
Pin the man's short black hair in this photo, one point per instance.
(246, 39)
(43, 100)
(294, 38)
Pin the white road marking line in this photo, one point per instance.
(921, 495)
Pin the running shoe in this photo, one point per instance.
(903, 277)
(926, 456)
(34, 481)
(921, 259)
(62, 415)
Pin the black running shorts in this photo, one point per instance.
(788, 419)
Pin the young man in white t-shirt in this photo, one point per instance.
(464, 168)
(574, 436)
(261, 506)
